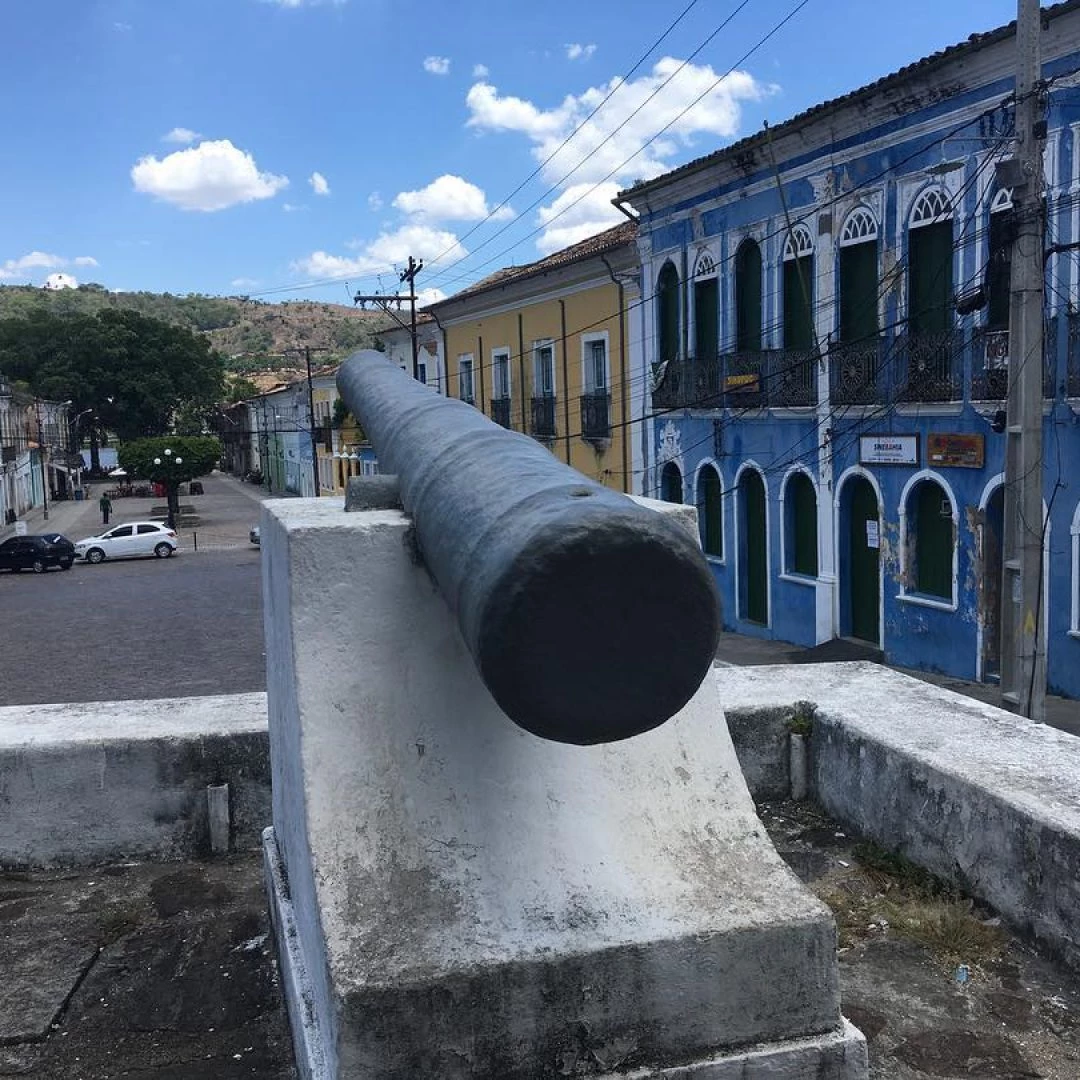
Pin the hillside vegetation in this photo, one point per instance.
(252, 335)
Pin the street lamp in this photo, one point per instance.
(170, 485)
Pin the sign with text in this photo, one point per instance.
(957, 451)
(889, 449)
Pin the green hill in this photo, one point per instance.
(252, 335)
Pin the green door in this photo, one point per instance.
(754, 585)
(863, 577)
(706, 319)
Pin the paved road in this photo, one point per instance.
(145, 628)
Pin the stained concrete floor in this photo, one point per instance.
(167, 972)
(158, 971)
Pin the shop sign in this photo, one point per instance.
(956, 451)
(888, 449)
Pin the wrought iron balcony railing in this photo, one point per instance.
(1072, 376)
(928, 367)
(990, 363)
(500, 411)
(856, 375)
(543, 417)
(740, 380)
(596, 416)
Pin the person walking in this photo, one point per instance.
(105, 506)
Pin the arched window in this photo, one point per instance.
(748, 297)
(930, 264)
(706, 308)
(800, 526)
(931, 539)
(671, 483)
(667, 313)
(799, 289)
(859, 276)
(710, 511)
(999, 268)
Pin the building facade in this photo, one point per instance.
(547, 349)
(826, 340)
(430, 366)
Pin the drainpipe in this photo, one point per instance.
(565, 378)
(480, 360)
(444, 378)
(623, 383)
(521, 370)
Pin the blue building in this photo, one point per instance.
(826, 340)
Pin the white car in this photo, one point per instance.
(127, 541)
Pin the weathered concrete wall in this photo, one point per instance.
(473, 901)
(975, 794)
(86, 783)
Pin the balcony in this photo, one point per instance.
(500, 411)
(742, 380)
(596, 417)
(855, 372)
(990, 363)
(928, 367)
(543, 417)
(1072, 378)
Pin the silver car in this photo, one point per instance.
(127, 541)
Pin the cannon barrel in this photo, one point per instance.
(591, 618)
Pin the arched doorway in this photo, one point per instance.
(753, 549)
(671, 483)
(860, 561)
(991, 543)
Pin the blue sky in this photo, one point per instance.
(303, 148)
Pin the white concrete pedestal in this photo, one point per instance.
(454, 897)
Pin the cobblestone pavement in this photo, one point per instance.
(141, 628)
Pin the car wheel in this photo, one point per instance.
(163, 551)
(38, 566)
(95, 555)
(66, 564)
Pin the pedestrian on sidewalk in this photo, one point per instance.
(105, 506)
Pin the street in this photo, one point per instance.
(140, 628)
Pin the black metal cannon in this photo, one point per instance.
(590, 617)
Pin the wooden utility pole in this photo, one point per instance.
(1023, 654)
(384, 301)
(308, 350)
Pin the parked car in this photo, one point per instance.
(129, 540)
(37, 553)
(254, 535)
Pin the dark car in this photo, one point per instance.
(37, 553)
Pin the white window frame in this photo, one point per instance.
(501, 353)
(785, 573)
(466, 367)
(1074, 619)
(708, 462)
(740, 570)
(587, 342)
(538, 389)
(911, 596)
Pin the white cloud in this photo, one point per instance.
(578, 212)
(60, 281)
(243, 283)
(318, 184)
(437, 65)
(181, 135)
(211, 176)
(122, 27)
(614, 140)
(429, 296)
(292, 208)
(381, 255)
(24, 266)
(579, 52)
(305, 3)
(374, 201)
(480, 71)
(448, 198)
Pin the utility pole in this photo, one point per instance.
(41, 462)
(1023, 653)
(383, 301)
(308, 350)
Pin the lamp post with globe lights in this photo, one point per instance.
(171, 483)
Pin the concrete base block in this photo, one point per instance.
(468, 900)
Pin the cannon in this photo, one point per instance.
(590, 617)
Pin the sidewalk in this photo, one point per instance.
(738, 650)
(73, 518)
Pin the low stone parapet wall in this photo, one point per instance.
(98, 781)
(977, 795)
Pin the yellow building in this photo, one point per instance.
(546, 349)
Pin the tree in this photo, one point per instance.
(171, 461)
(129, 373)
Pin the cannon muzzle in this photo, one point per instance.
(590, 617)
